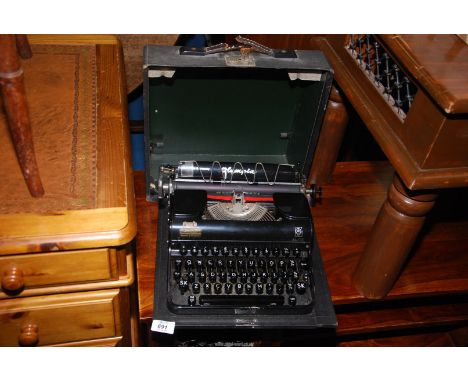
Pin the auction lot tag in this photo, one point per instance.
(163, 326)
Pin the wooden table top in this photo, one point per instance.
(109, 219)
(343, 222)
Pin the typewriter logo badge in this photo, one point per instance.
(298, 232)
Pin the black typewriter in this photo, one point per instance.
(236, 244)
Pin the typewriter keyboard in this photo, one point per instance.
(265, 277)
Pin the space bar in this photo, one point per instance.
(241, 300)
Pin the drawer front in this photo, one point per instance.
(56, 319)
(23, 272)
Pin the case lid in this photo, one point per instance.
(232, 107)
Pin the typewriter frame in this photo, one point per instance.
(161, 62)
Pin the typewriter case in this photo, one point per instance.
(231, 107)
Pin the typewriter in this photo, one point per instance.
(229, 141)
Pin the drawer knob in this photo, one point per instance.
(29, 335)
(13, 281)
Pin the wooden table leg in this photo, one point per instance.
(397, 225)
(14, 100)
(333, 129)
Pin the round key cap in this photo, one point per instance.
(210, 264)
(245, 251)
(218, 288)
(264, 277)
(251, 264)
(292, 300)
(191, 277)
(240, 264)
(276, 251)
(192, 300)
(274, 277)
(205, 250)
(183, 285)
(269, 288)
(243, 277)
(199, 264)
(286, 251)
(259, 288)
(267, 252)
(222, 276)
(271, 264)
(220, 264)
(300, 287)
(212, 276)
(253, 277)
(290, 288)
(248, 288)
(196, 288)
(188, 264)
(233, 277)
(207, 288)
(296, 251)
(176, 275)
(215, 251)
(239, 288)
(282, 264)
(256, 251)
(225, 251)
(202, 276)
(194, 250)
(231, 264)
(183, 249)
(228, 288)
(178, 264)
(262, 263)
(279, 288)
(235, 251)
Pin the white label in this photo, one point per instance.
(163, 326)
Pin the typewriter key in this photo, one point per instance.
(253, 277)
(183, 285)
(274, 277)
(222, 276)
(264, 277)
(248, 288)
(192, 300)
(191, 277)
(292, 300)
(279, 288)
(194, 250)
(269, 288)
(205, 250)
(218, 288)
(178, 264)
(225, 251)
(239, 288)
(233, 277)
(183, 249)
(243, 277)
(212, 277)
(176, 275)
(202, 276)
(300, 287)
(259, 288)
(290, 288)
(196, 288)
(228, 288)
(207, 288)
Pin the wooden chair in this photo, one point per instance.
(16, 108)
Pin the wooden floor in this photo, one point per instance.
(428, 305)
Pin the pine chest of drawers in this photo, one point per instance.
(66, 259)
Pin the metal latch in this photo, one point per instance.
(245, 47)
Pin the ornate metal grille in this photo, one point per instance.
(386, 74)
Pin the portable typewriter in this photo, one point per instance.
(230, 136)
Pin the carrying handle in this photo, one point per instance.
(245, 46)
